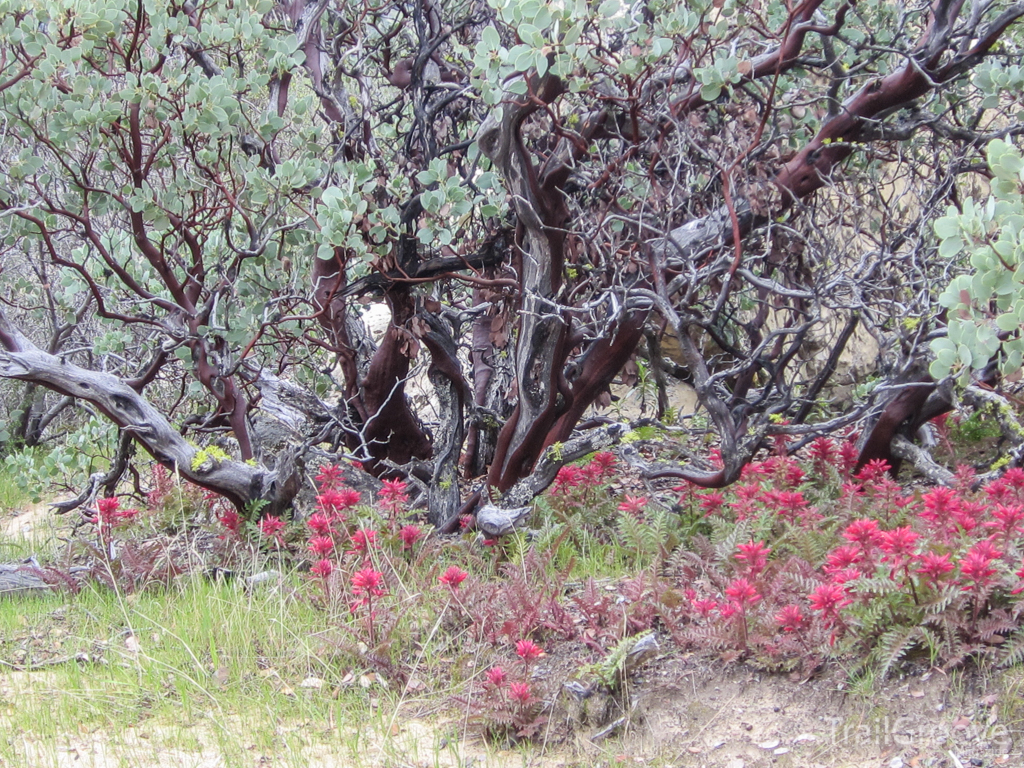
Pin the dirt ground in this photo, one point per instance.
(677, 711)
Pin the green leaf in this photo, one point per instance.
(490, 38)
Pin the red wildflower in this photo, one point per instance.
(793, 475)
(898, 544)
(605, 462)
(528, 650)
(107, 508)
(409, 535)
(231, 520)
(321, 546)
(270, 527)
(633, 505)
(362, 540)
(127, 515)
(1008, 489)
(711, 502)
(520, 692)
(747, 497)
(453, 577)
(828, 599)
(790, 618)
(368, 582)
(873, 470)
(754, 471)
(840, 558)
(790, 505)
(848, 455)
(940, 505)
(987, 549)
(323, 568)
(1020, 575)
(320, 524)
(864, 533)
(496, 676)
(568, 477)
(465, 521)
(728, 610)
(823, 454)
(393, 495)
(704, 607)
(1007, 520)
(976, 566)
(966, 516)
(933, 566)
(754, 556)
(742, 593)
(845, 576)
(329, 477)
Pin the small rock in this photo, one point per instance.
(805, 737)
(263, 579)
(962, 723)
(312, 682)
(735, 763)
(220, 676)
(770, 744)
(896, 762)
(131, 644)
(781, 751)
(917, 694)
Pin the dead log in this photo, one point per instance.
(18, 580)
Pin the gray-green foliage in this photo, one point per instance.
(986, 307)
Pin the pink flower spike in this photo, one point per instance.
(975, 568)
(742, 593)
(107, 508)
(1019, 575)
(528, 650)
(865, 533)
(393, 495)
(453, 577)
(496, 676)
(319, 524)
(409, 534)
(321, 546)
(754, 556)
(362, 540)
(873, 470)
(330, 477)
(790, 618)
(705, 607)
(899, 543)
(271, 527)
(711, 502)
(828, 599)
(520, 692)
(633, 505)
(231, 520)
(368, 582)
(934, 566)
(322, 569)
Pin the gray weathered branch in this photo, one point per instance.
(241, 483)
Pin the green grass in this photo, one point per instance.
(12, 496)
(204, 668)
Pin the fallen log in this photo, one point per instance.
(18, 579)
